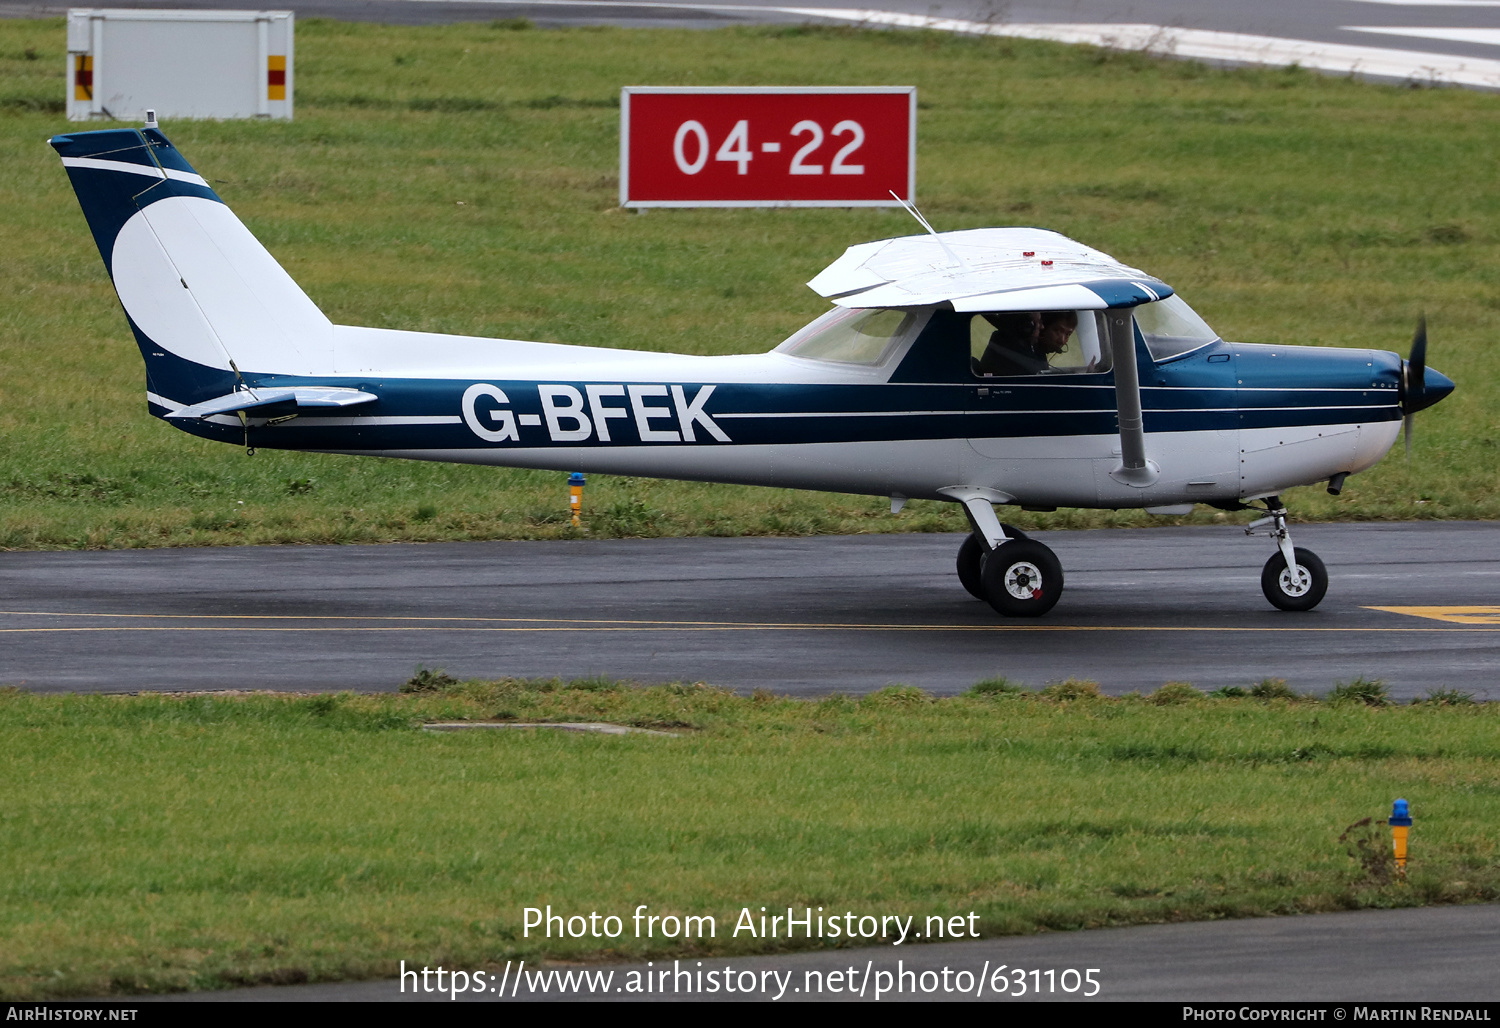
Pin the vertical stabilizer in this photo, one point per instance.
(199, 289)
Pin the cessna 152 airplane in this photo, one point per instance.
(985, 367)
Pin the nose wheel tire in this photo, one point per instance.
(1299, 589)
(1022, 579)
(971, 561)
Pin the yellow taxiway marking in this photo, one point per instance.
(1454, 615)
(301, 623)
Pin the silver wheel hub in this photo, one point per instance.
(1295, 584)
(1023, 580)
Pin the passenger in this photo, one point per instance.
(1013, 348)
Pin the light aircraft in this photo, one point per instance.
(989, 367)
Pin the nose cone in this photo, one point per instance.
(1434, 387)
(1438, 386)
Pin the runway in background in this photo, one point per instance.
(1453, 42)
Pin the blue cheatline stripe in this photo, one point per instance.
(427, 414)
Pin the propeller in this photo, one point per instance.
(1414, 381)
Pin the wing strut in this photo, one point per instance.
(1135, 469)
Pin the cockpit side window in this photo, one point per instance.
(1010, 343)
(847, 336)
(1170, 327)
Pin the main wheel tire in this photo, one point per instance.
(1022, 579)
(1304, 591)
(971, 561)
(971, 566)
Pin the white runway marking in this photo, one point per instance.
(1197, 44)
(1488, 37)
(1208, 45)
(1432, 3)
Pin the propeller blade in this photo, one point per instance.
(1418, 360)
(1414, 376)
(1408, 423)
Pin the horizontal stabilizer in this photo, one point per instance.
(302, 396)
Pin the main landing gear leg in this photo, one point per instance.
(999, 564)
(1294, 578)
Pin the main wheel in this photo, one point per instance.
(1300, 591)
(1022, 579)
(971, 561)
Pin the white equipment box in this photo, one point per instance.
(182, 64)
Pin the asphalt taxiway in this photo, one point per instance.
(1414, 604)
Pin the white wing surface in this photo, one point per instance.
(996, 269)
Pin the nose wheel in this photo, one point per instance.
(1299, 587)
(1294, 578)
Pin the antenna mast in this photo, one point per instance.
(912, 210)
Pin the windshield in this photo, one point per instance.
(1171, 327)
(851, 336)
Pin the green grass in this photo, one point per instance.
(158, 843)
(463, 179)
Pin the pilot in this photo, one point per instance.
(1014, 346)
(1057, 328)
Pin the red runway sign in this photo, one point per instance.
(769, 146)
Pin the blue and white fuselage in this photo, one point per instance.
(892, 393)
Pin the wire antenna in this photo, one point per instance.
(912, 210)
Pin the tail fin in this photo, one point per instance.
(202, 295)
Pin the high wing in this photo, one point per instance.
(985, 269)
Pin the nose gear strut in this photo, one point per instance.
(1294, 578)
